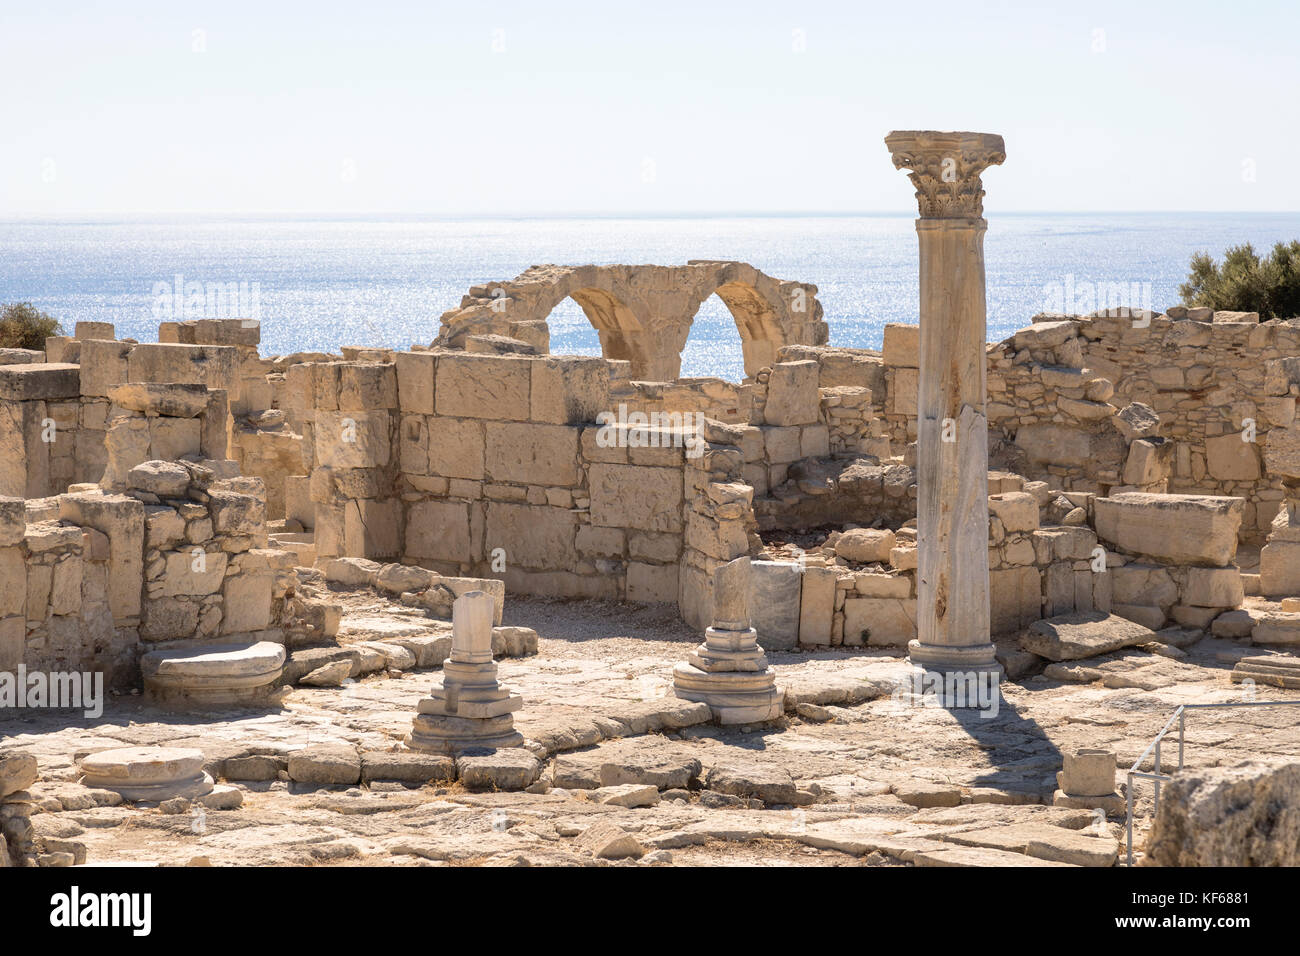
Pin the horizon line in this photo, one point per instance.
(381, 215)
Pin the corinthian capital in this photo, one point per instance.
(945, 169)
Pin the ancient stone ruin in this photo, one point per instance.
(902, 594)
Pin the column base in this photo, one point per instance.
(979, 658)
(735, 697)
(959, 677)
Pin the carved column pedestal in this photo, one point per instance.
(729, 670)
(467, 708)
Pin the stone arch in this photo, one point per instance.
(643, 314)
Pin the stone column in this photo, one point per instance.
(952, 430)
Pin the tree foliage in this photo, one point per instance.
(1245, 282)
(23, 326)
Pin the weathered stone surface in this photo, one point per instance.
(1072, 637)
(1276, 627)
(607, 841)
(175, 401)
(629, 795)
(509, 768)
(1044, 841)
(866, 545)
(1089, 772)
(1282, 451)
(18, 771)
(1137, 421)
(772, 785)
(902, 345)
(325, 764)
(1172, 529)
(332, 674)
(254, 768)
(351, 572)
(919, 793)
(39, 383)
(1279, 568)
(879, 622)
(483, 386)
(1230, 458)
(774, 603)
(792, 394)
(977, 856)
(412, 768)
(1245, 815)
(1213, 587)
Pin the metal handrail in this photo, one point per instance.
(1179, 715)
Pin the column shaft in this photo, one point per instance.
(952, 437)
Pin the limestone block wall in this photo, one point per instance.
(152, 422)
(70, 586)
(88, 580)
(207, 570)
(350, 437)
(1206, 380)
(55, 610)
(712, 397)
(41, 420)
(1185, 577)
(492, 465)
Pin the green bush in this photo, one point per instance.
(23, 326)
(1247, 283)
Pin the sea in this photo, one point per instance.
(318, 283)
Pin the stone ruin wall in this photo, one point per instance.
(1056, 387)
(442, 457)
(451, 454)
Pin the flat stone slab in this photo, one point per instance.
(1276, 627)
(144, 764)
(215, 661)
(772, 785)
(627, 795)
(652, 761)
(510, 768)
(406, 767)
(1072, 637)
(924, 795)
(329, 675)
(43, 382)
(303, 662)
(977, 856)
(1172, 529)
(1043, 841)
(326, 764)
(606, 841)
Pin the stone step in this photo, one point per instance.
(1276, 627)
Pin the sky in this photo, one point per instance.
(653, 108)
